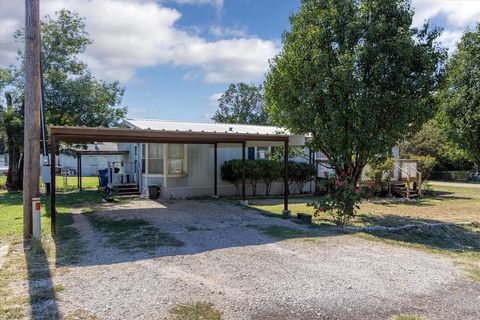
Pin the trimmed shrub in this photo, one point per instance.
(270, 171)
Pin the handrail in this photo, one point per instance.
(396, 164)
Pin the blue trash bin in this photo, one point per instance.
(103, 178)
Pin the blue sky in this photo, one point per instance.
(175, 57)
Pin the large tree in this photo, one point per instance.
(73, 96)
(460, 96)
(356, 76)
(241, 103)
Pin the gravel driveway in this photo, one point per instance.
(228, 261)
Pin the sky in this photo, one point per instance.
(176, 57)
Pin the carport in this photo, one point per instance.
(128, 135)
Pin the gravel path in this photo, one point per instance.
(248, 275)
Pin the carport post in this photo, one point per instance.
(285, 179)
(215, 184)
(78, 169)
(53, 212)
(243, 172)
(80, 173)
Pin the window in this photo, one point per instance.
(177, 158)
(261, 152)
(155, 158)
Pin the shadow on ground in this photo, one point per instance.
(41, 289)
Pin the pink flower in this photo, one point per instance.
(342, 173)
(357, 190)
(321, 209)
(338, 183)
(371, 185)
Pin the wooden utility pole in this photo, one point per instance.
(31, 153)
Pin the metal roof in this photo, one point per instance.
(187, 126)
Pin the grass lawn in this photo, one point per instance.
(65, 183)
(449, 204)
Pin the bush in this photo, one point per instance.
(341, 202)
(270, 171)
(253, 173)
(231, 171)
(299, 173)
(267, 171)
(381, 174)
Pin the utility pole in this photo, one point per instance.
(31, 153)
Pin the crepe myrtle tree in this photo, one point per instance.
(357, 77)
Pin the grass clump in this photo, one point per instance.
(131, 234)
(281, 232)
(196, 311)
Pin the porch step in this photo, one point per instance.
(401, 190)
(127, 189)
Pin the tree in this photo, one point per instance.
(73, 95)
(430, 141)
(241, 103)
(355, 76)
(460, 97)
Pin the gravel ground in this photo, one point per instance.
(248, 275)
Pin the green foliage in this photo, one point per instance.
(241, 103)
(430, 140)
(267, 171)
(253, 172)
(231, 171)
(355, 76)
(425, 165)
(460, 96)
(270, 171)
(73, 96)
(343, 199)
(299, 173)
(381, 172)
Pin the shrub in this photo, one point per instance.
(381, 173)
(270, 171)
(231, 171)
(342, 201)
(253, 173)
(299, 173)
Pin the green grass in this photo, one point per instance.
(65, 183)
(131, 234)
(196, 311)
(11, 210)
(70, 183)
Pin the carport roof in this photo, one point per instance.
(88, 134)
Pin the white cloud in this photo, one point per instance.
(235, 32)
(449, 39)
(129, 35)
(459, 13)
(213, 99)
